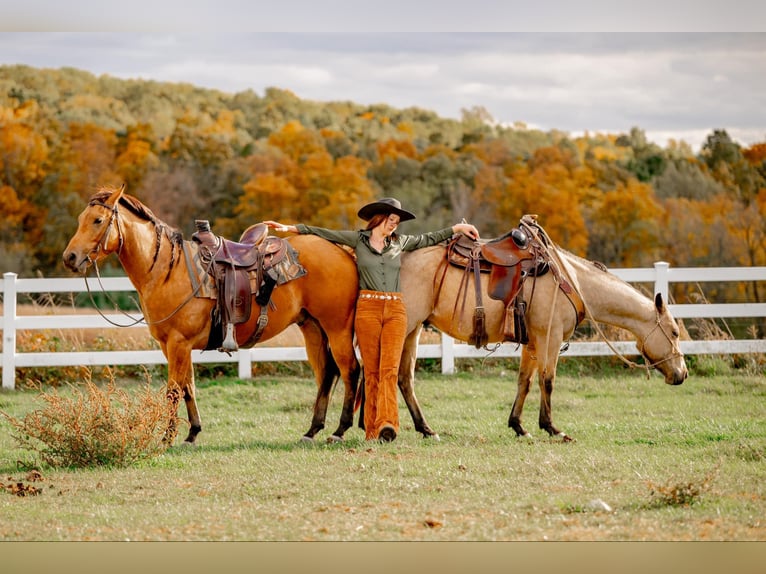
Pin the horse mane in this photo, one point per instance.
(143, 212)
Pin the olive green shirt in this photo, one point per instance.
(378, 270)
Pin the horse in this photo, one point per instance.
(431, 287)
(152, 255)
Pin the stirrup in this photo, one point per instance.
(229, 343)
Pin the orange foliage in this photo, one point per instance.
(87, 159)
(627, 219)
(305, 184)
(23, 153)
(755, 154)
(396, 148)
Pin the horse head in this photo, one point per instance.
(661, 348)
(98, 231)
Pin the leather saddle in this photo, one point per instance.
(254, 265)
(508, 260)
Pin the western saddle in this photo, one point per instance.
(509, 260)
(254, 265)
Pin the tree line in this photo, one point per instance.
(191, 153)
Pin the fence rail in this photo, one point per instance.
(661, 275)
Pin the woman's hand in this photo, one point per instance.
(466, 229)
(276, 226)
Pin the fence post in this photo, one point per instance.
(9, 331)
(661, 279)
(244, 364)
(448, 355)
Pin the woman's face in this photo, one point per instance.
(390, 224)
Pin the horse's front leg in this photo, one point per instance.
(407, 383)
(181, 383)
(527, 370)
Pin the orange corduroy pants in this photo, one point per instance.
(381, 327)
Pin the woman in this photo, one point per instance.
(381, 318)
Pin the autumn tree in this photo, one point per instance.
(302, 182)
(625, 228)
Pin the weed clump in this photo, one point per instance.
(681, 493)
(97, 426)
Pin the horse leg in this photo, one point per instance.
(407, 383)
(181, 382)
(340, 358)
(325, 372)
(546, 379)
(527, 370)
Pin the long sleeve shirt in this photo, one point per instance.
(378, 270)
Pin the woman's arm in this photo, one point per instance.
(276, 226)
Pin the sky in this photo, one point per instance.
(623, 71)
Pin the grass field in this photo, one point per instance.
(650, 462)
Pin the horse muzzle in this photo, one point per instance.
(75, 262)
(676, 376)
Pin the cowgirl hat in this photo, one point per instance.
(386, 205)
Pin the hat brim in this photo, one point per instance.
(372, 209)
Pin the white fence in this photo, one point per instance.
(448, 350)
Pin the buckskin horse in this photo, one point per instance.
(553, 303)
(157, 261)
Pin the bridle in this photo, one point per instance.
(114, 219)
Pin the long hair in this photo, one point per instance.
(376, 220)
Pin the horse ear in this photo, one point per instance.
(659, 303)
(116, 195)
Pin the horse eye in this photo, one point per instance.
(98, 221)
(676, 333)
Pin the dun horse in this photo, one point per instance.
(430, 292)
(152, 255)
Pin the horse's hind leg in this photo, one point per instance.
(546, 380)
(527, 370)
(407, 383)
(325, 372)
(343, 358)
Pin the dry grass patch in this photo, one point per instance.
(95, 426)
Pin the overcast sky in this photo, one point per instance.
(679, 85)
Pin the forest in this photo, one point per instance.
(191, 153)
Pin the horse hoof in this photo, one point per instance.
(334, 439)
(188, 444)
(434, 437)
(565, 437)
(526, 436)
(307, 439)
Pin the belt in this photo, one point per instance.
(383, 296)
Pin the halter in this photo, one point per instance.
(642, 344)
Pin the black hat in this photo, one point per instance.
(385, 205)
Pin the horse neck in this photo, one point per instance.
(140, 256)
(609, 299)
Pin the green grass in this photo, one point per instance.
(673, 463)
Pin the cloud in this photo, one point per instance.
(682, 84)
